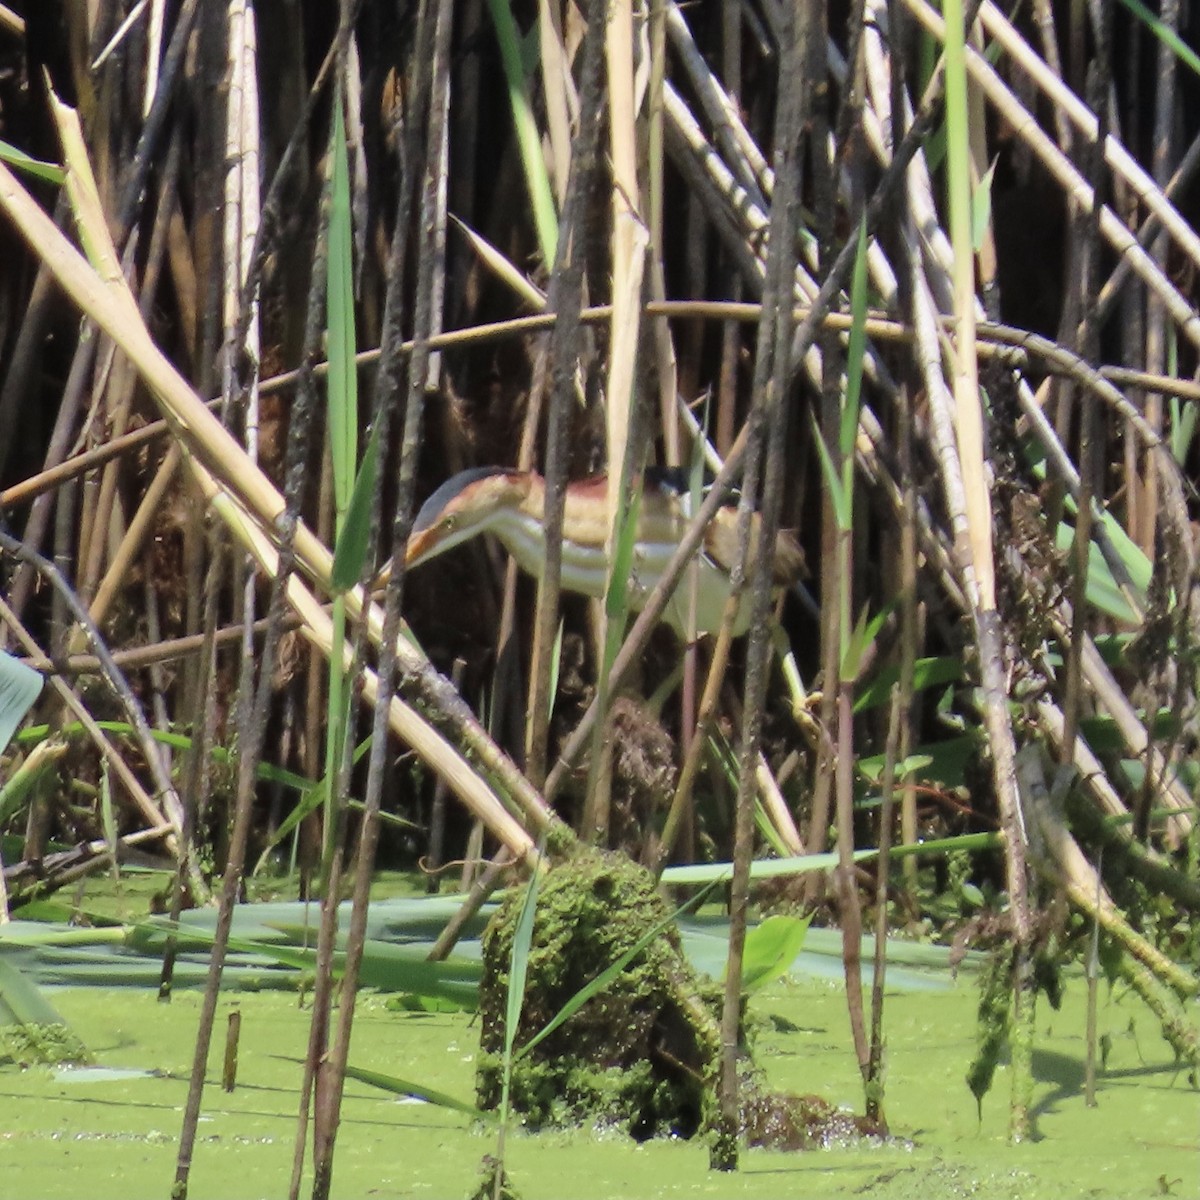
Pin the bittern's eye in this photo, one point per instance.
(449, 522)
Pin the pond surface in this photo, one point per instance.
(114, 1134)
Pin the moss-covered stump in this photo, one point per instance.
(643, 1053)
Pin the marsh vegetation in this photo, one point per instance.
(905, 294)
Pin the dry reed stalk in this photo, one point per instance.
(110, 303)
(1074, 185)
(133, 541)
(412, 729)
(1061, 858)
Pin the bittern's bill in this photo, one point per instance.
(511, 505)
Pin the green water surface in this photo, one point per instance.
(115, 1136)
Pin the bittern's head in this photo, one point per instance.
(466, 504)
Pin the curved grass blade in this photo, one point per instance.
(541, 195)
(406, 1087)
(50, 172)
(517, 974)
(354, 540)
(340, 332)
(1165, 34)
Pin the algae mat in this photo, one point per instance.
(114, 1134)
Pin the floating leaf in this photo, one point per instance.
(771, 948)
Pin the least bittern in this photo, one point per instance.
(510, 504)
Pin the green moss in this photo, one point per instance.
(994, 1021)
(561, 842)
(643, 1053)
(30, 1042)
